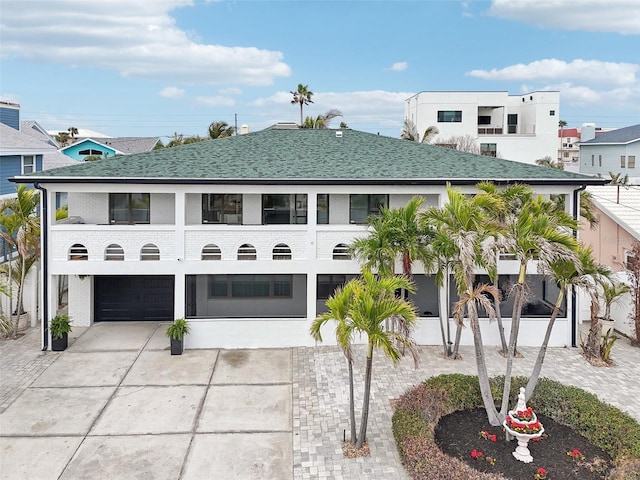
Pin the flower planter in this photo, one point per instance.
(606, 326)
(23, 322)
(60, 344)
(177, 346)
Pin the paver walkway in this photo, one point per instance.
(119, 393)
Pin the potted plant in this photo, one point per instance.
(176, 332)
(612, 292)
(60, 327)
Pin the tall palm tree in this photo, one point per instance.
(410, 132)
(301, 96)
(376, 251)
(73, 131)
(375, 301)
(220, 129)
(561, 124)
(465, 234)
(338, 305)
(532, 229)
(567, 274)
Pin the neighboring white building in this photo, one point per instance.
(523, 128)
(614, 152)
(247, 236)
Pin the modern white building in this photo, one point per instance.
(523, 127)
(247, 236)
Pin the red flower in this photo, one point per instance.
(542, 471)
(493, 438)
(476, 453)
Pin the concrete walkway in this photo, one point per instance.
(117, 405)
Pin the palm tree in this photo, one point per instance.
(220, 129)
(532, 229)
(375, 301)
(464, 234)
(321, 121)
(21, 231)
(561, 124)
(410, 132)
(73, 131)
(338, 305)
(302, 96)
(376, 251)
(62, 138)
(566, 273)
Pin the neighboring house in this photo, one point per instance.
(568, 139)
(617, 209)
(247, 236)
(20, 153)
(110, 147)
(516, 127)
(615, 151)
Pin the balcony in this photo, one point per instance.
(489, 130)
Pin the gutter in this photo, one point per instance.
(44, 255)
(574, 296)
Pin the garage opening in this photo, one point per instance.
(134, 298)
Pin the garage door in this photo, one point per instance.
(143, 298)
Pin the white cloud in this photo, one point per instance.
(172, 92)
(215, 101)
(230, 91)
(399, 66)
(593, 71)
(132, 39)
(618, 16)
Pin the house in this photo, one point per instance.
(516, 127)
(617, 209)
(568, 139)
(110, 147)
(612, 152)
(247, 236)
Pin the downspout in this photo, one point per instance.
(44, 255)
(576, 216)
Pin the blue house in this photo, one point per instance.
(109, 147)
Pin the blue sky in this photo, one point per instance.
(153, 68)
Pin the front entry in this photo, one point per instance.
(140, 298)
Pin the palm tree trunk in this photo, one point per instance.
(301, 115)
(352, 409)
(594, 331)
(456, 343)
(365, 402)
(483, 376)
(503, 340)
(537, 367)
(513, 340)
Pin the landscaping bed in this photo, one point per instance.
(574, 418)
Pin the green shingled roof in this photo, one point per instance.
(304, 155)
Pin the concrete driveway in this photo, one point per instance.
(117, 405)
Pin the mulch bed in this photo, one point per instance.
(458, 434)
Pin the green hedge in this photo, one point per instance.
(420, 408)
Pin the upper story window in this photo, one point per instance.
(488, 149)
(211, 252)
(128, 208)
(114, 252)
(282, 251)
(28, 163)
(631, 161)
(341, 252)
(361, 206)
(284, 209)
(623, 162)
(247, 252)
(150, 252)
(91, 151)
(450, 116)
(323, 209)
(78, 252)
(222, 208)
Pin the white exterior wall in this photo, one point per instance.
(537, 132)
(181, 243)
